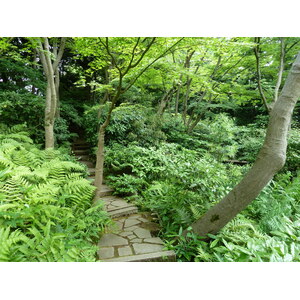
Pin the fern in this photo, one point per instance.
(42, 197)
(10, 241)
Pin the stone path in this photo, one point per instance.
(132, 238)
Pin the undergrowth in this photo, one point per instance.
(45, 203)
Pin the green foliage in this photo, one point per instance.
(129, 123)
(170, 180)
(268, 230)
(45, 203)
(214, 135)
(16, 108)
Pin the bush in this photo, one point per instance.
(215, 136)
(176, 183)
(129, 123)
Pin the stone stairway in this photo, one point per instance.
(132, 238)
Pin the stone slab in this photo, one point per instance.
(106, 252)
(165, 256)
(125, 233)
(111, 239)
(146, 248)
(124, 251)
(136, 241)
(123, 212)
(119, 203)
(131, 222)
(142, 233)
(131, 228)
(154, 240)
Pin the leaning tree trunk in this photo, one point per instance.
(270, 160)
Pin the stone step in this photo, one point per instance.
(80, 143)
(123, 212)
(81, 152)
(112, 210)
(91, 171)
(161, 256)
(81, 147)
(83, 157)
(105, 191)
(88, 163)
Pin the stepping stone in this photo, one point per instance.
(82, 158)
(154, 240)
(124, 251)
(110, 240)
(142, 233)
(131, 222)
(81, 151)
(125, 233)
(132, 228)
(88, 163)
(123, 212)
(106, 252)
(105, 191)
(91, 171)
(144, 220)
(131, 236)
(136, 241)
(119, 203)
(157, 256)
(146, 248)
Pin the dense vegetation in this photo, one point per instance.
(183, 121)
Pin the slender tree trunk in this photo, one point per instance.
(99, 162)
(164, 101)
(56, 82)
(257, 56)
(52, 75)
(177, 96)
(270, 160)
(281, 67)
(187, 94)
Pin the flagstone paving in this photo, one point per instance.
(132, 237)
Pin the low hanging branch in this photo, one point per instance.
(270, 160)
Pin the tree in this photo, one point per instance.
(274, 49)
(270, 160)
(50, 57)
(125, 60)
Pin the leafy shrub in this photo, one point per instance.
(215, 135)
(16, 108)
(129, 123)
(176, 183)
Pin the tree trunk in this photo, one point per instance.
(99, 161)
(57, 81)
(52, 75)
(270, 160)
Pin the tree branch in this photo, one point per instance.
(149, 65)
(256, 52)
